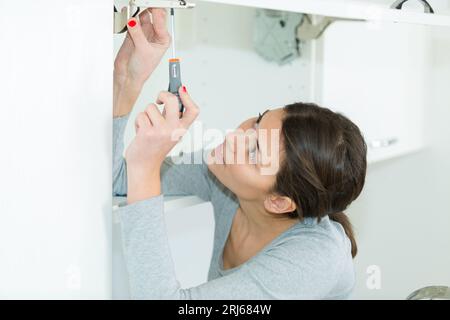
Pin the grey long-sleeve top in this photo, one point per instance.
(310, 260)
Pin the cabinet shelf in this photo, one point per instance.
(171, 203)
(348, 9)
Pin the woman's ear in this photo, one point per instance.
(279, 204)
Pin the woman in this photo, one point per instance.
(278, 235)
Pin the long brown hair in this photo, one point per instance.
(324, 165)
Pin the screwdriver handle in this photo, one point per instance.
(175, 80)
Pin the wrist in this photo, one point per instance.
(143, 184)
(123, 79)
(126, 93)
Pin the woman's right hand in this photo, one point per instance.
(144, 46)
(156, 134)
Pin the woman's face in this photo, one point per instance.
(248, 160)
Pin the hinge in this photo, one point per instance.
(136, 6)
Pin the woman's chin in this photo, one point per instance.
(210, 158)
(215, 156)
(215, 163)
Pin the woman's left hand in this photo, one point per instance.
(144, 46)
(156, 134)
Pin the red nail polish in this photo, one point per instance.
(184, 89)
(131, 23)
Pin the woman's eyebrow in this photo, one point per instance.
(260, 116)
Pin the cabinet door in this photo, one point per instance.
(55, 128)
(376, 75)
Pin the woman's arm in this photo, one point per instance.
(176, 179)
(142, 50)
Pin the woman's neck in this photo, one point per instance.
(260, 224)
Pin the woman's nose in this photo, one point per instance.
(240, 142)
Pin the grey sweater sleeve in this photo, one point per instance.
(119, 164)
(176, 179)
(303, 267)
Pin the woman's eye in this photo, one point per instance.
(252, 150)
(252, 157)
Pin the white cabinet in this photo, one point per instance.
(373, 71)
(376, 74)
(55, 128)
(369, 10)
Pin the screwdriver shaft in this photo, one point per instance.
(172, 23)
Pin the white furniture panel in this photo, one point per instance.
(372, 10)
(55, 190)
(376, 75)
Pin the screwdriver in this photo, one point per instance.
(174, 66)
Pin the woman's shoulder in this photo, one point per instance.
(316, 238)
(312, 231)
(312, 256)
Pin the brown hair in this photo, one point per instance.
(324, 165)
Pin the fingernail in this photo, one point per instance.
(131, 23)
(184, 89)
